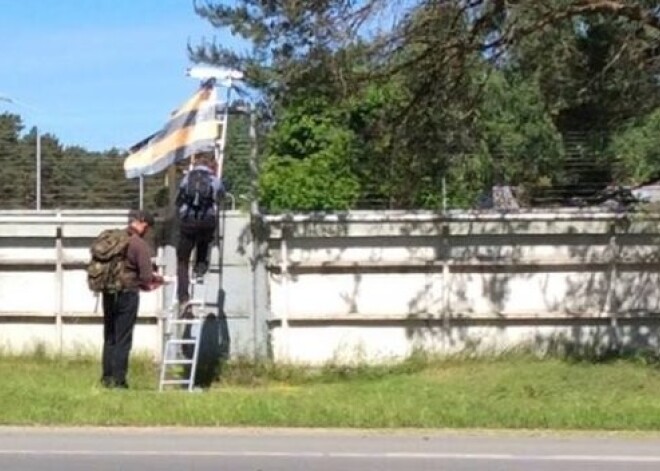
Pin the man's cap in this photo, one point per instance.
(142, 216)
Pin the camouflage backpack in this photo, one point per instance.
(108, 253)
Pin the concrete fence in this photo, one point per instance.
(361, 286)
(372, 286)
(45, 302)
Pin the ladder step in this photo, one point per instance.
(195, 302)
(198, 307)
(185, 321)
(171, 359)
(175, 381)
(181, 341)
(177, 362)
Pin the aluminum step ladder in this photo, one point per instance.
(175, 324)
(177, 320)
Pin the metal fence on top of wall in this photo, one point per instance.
(583, 175)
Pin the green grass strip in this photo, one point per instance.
(511, 392)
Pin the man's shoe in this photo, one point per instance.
(185, 310)
(200, 269)
(122, 385)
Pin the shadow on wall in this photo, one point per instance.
(594, 274)
(589, 339)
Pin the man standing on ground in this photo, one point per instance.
(196, 210)
(120, 308)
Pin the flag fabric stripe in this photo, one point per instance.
(174, 147)
(206, 94)
(194, 118)
(191, 118)
(192, 128)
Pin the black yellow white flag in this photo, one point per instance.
(192, 128)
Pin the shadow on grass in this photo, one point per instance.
(246, 372)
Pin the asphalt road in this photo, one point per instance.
(41, 449)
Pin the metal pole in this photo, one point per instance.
(141, 192)
(223, 138)
(224, 338)
(255, 220)
(254, 166)
(38, 157)
(59, 282)
(444, 195)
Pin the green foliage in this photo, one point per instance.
(16, 186)
(595, 72)
(309, 163)
(383, 165)
(637, 150)
(447, 100)
(71, 177)
(236, 169)
(520, 143)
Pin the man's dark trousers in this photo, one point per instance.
(119, 316)
(196, 235)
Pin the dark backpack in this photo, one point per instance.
(197, 194)
(108, 253)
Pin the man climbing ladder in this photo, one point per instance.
(192, 336)
(197, 212)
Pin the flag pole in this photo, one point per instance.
(141, 203)
(220, 147)
(220, 159)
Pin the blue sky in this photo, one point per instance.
(98, 73)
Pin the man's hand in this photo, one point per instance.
(156, 282)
